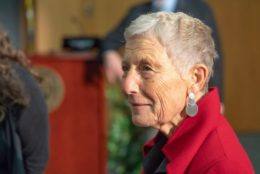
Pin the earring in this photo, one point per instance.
(191, 107)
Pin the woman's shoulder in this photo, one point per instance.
(29, 82)
(35, 107)
(32, 89)
(226, 154)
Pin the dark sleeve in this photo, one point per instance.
(115, 39)
(32, 126)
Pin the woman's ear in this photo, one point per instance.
(198, 76)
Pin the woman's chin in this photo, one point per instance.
(141, 121)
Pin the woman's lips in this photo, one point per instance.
(139, 107)
(139, 104)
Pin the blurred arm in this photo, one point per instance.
(32, 126)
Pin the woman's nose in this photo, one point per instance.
(130, 83)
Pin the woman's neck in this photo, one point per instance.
(168, 128)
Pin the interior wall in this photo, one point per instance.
(54, 20)
(11, 19)
(59, 18)
(239, 27)
(238, 23)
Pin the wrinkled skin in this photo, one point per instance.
(155, 89)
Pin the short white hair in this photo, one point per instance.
(188, 41)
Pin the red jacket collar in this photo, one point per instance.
(189, 136)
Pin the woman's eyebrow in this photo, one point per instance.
(150, 61)
(125, 62)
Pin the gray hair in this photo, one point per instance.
(188, 41)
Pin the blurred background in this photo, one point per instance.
(91, 129)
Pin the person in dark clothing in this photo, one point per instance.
(196, 8)
(24, 129)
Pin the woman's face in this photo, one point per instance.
(155, 90)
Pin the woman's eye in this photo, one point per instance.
(146, 71)
(146, 68)
(125, 68)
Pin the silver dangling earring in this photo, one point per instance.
(191, 107)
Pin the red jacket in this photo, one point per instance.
(205, 144)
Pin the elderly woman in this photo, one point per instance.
(167, 65)
(23, 115)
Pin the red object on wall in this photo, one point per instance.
(77, 125)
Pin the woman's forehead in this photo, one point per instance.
(145, 52)
(143, 47)
(142, 42)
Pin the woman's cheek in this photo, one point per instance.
(160, 107)
(154, 90)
